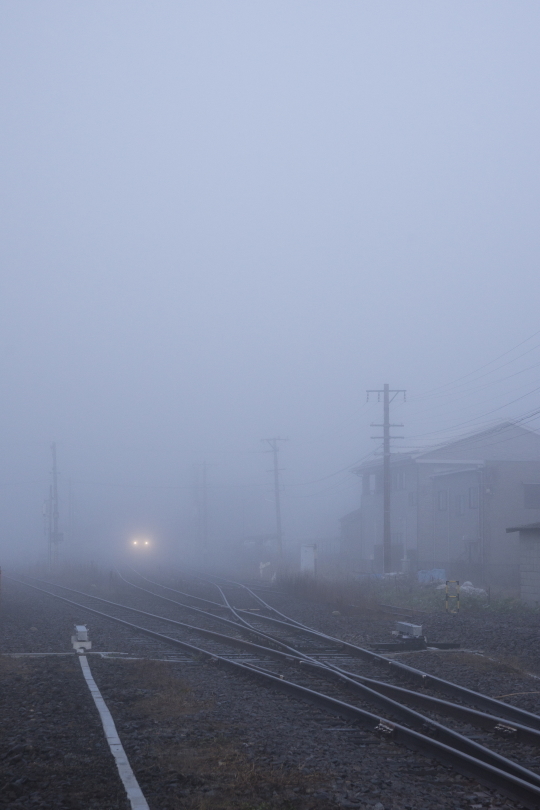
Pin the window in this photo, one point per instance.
(474, 498)
(442, 500)
(460, 503)
(531, 496)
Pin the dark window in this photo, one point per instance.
(460, 504)
(473, 498)
(442, 500)
(531, 496)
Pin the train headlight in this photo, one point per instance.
(143, 542)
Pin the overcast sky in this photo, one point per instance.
(223, 221)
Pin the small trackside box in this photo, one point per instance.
(80, 640)
(408, 629)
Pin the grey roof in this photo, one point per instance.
(529, 527)
(506, 441)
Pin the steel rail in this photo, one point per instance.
(220, 619)
(359, 684)
(291, 654)
(382, 695)
(480, 701)
(243, 627)
(288, 619)
(182, 593)
(489, 722)
(233, 610)
(522, 790)
(522, 720)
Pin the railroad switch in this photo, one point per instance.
(80, 639)
(410, 637)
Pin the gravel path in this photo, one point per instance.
(52, 746)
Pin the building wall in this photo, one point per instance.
(453, 519)
(471, 511)
(529, 567)
(351, 539)
(404, 512)
(457, 522)
(505, 506)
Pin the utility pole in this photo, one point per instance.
(55, 536)
(200, 499)
(71, 513)
(204, 506)
(279, 531)
(387, 483)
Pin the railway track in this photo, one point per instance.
(257, 640)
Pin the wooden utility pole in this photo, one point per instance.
(387, 481)
(55, 536)
(279, 531)
(200, 498)
(204, 506)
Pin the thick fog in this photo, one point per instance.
(223, 222)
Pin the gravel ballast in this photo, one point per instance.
(196, 736)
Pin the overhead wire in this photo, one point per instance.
(460, 394)
(482, 437)
(429, 392)
(475, 419)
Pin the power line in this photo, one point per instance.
(469, 391)
(475, 419)
(337, 487)
(348, 468)
(481, 368)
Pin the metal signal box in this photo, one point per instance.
(408, 629)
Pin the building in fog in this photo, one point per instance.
(451, 506)
(529, 562)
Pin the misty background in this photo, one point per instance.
(223, 222)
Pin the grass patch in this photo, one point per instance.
(13, 666)
(402, 591)
(158, 692)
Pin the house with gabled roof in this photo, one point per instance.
(451, 505)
